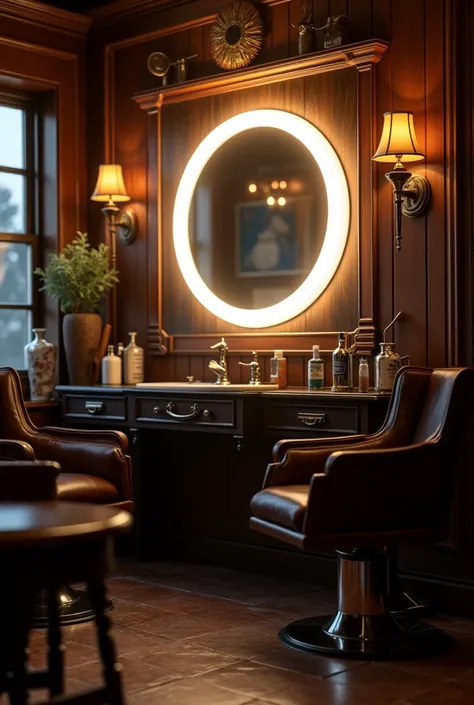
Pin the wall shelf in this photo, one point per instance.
(360, 55)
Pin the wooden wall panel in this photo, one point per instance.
(413, 75)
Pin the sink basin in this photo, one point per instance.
(208, 386)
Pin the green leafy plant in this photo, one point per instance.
(79, 277)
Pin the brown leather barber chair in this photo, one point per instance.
(95, 467)
(365, 495)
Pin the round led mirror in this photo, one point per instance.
(261, 218)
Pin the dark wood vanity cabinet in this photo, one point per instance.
(199, 456)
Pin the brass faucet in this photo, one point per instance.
(254, 369)
(220, 368)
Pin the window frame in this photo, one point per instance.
(31, 172)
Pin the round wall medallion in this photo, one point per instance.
(236, 36)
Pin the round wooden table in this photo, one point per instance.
(44, 545)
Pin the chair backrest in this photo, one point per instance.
(406, 406)
(15, 422)
(28, 481)
(426, 404)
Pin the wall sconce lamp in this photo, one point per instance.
(411, 192)
(110, 189)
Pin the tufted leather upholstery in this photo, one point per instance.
(368, 491)
(96, 467)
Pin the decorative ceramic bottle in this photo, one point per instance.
(315, 370)
(40, 361)
(111, 367)
(133, 362)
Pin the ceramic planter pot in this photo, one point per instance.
(81, 333)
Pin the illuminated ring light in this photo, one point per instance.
(335, 238)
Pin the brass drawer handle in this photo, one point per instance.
(94, 407)
(195, 411)
(311, 418)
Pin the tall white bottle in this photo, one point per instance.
(111, 367)
(133, 362)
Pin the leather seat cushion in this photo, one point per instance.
(285, 506)
(85, 488)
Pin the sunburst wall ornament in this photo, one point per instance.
(236, 36)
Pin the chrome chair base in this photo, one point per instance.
(363, 626)
(365, 638)
(74, 608)
(402, 603)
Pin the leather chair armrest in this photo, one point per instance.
(87, 454)
(383, 489)
(16, 450)
(115, 438)
(301, 461)
(281, 447)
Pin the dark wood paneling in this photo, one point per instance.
(50, 63)
(413, 75)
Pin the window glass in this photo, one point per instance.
(15, 273)
(12, 203)
(12, 142)
(15, 333)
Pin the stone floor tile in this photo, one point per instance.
(188, 692)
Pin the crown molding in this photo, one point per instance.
(122, 10)
(36, 12)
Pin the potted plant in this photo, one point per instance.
(79, 277)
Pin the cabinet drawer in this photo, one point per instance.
(185, 411)
(113, 408)
(322, 419)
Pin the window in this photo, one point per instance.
(18, 227)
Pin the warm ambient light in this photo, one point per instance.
(337, 229)
(282, 201)
(398, 140)
(399, 144)
(283, 185)
(253, 188)
(110, 185)
(271, 201)
(275, 185)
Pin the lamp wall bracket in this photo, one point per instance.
(417, 196)
(127, 226)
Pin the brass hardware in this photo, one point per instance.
(195, 411)
(240, 442)
(236, 35)
(254, 369)
(220, 368)
(190, 379)
(411, 195)
(207, 412)
(311, 418)
(156, 410)
(94, 407)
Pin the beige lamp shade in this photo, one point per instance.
(398, 141)
(110, 185)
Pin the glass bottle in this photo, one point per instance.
(111, 367)
(341, 366)
(279, 369)
(363, 375)
(315, 370)
(133, 362)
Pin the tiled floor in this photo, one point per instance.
(193, 635)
